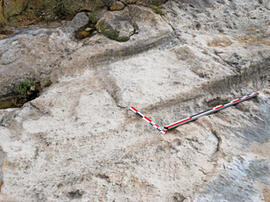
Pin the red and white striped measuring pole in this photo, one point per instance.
(159, 128)
(164, 129)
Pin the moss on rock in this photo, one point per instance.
(110, 32)
(93, 19)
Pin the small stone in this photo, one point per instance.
(88, 29)
(83, 34)
(117, 6)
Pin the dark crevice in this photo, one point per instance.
(22, 92)
(75, 194)
(104, 177)
(217, 101)
(37, 109)
(219, 142)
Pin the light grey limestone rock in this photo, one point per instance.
(78, 141)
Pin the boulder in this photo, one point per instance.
(81, 19)
(116, 25)
(117, 6)
(14, 7)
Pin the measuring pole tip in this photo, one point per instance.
(133, 109)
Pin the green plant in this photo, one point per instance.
(61, 10)
(158, 10)
(24, 87)
(92, 17)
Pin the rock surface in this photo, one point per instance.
(40, 52)
(78, 142)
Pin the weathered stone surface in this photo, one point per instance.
(39, 53)
(77, 141)
(34, 54)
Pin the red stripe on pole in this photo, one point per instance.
(179, 122)
(247, 96)
(157, 125)
(236, 100)
(165, 131)
(256, 93)
(219, 107)
(147, 119)
(134, 109)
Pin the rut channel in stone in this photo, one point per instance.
(219, 91)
